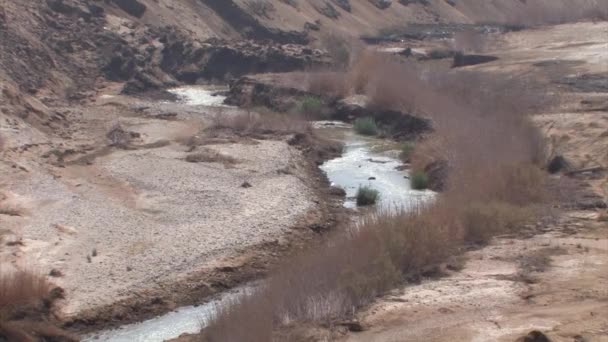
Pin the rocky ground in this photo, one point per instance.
(144, 220)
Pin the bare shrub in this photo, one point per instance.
(482, 221)
(210, 156)
(262, 121)
(535, 262)
(20, 290)
(253, 312)
(328, 84)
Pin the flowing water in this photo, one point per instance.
(370, 162)
(185, 320)
(200, 95)
(365, 161)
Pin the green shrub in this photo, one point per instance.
(406, 151)
(419, 180)
(366, 126)
(367, 196)
(311, 106)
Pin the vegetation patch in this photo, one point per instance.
(311, 107)
(419, 180)
(407, 149)
(26, 300)
(366, 126)
(367, 196)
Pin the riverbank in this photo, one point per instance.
(159, 231)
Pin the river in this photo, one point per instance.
(365, 161)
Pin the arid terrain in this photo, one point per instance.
(130, 201)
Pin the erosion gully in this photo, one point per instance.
(365, 161)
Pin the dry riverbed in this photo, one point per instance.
(130, 232)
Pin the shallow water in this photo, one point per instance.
(371, 162)
(185, 320)
(200, 95)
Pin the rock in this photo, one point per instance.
(534, 336)
(343, 4)
(246, 185)
(381, 4)
(410, 2)
(133, 7)
(327, 9)
(249, 90)
(337, 191)
(316, 26)
(55, 273)
(250, 26)
(461, 60)
(371, 178)
(557, 164)
(354, 326)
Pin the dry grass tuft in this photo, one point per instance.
(536, 262)
(210, 156)
(20, 290)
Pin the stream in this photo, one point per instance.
(365, 161)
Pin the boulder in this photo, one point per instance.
(132, 7)
(343, 4)
(558, 164)
(381, 4)
(461, 60)
(534, 336)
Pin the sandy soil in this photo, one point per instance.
(490, 301)
(133, 221)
